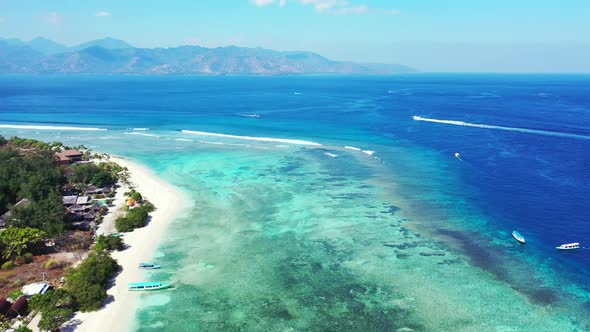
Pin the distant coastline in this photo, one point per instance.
(115, 57)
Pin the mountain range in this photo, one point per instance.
(113, 56)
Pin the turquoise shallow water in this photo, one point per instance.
(285, 236)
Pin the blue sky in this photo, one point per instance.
(432, 35)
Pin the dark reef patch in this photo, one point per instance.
(494, 261)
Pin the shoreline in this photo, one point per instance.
(118, 314)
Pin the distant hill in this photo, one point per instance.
(47, 46)
(108, 43)
(112, 56)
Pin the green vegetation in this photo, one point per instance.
(27, 143)
(33, 176)
(51, 264)
(108, 243)
(15, 294)
(31, 185)
(56, 306)
(16, 241)
(135, 218)
(23, 328)
(88, 282)
(47, 214)
(27, 258)
(101, 175)
(8, 265)
(136, 195)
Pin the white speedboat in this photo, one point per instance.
(518, 237)
(569, 246)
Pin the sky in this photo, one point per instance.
(430, 35)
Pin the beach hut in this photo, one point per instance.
(4, 306)
(19, 308)
(130, 201)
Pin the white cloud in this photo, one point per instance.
(102, 14)
(336, 7)
(261, 3)
(354, 10)
(53, 18)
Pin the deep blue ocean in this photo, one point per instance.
(524, 144)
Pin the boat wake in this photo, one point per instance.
(254, 115)
(33, 127)
(515, 129)
(252, 138)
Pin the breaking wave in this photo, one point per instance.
(252, 138)
(369, 152)
(515, 129)
(142, 134)
(33, 127)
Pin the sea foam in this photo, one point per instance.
(142, 134)
(34, 127)
(369, 152)
(352, 148)
(252, 138)
(515, 129)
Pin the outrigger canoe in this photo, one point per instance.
(149, 266)
(147, 286)
(518, 237)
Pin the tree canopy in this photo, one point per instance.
(37, 178)
(101, 175)
(17, 241)
(88, 282)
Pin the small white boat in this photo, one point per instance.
(569, 246)
(149, 266)
(518, 237)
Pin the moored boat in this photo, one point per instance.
(569, 246)
(147, 286)
(149, 266)
(518, 237)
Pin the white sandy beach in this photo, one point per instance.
(118, 315)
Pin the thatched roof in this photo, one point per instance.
(4, 306)
(19, 308)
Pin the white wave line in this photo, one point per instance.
(252, 138)
(32, 127)
(515, 129)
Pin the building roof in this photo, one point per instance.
(77, 208)
(35, 288)
(4, 306)
(22, 203)
(82, 200)
(90, 215)
(70, 200)
(19, 308)
(71, 153)
(61, 157)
